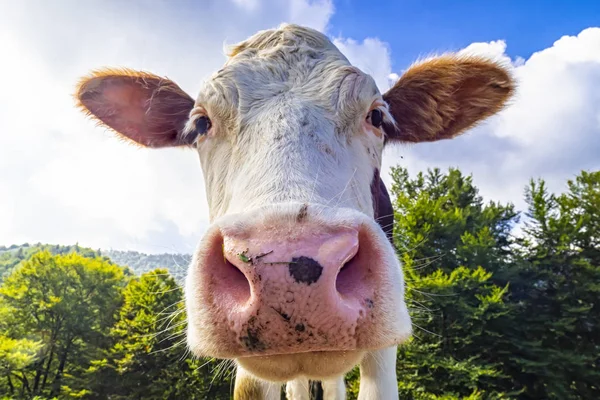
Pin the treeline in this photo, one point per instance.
(139, 263)
(497, 314)
(12, 255)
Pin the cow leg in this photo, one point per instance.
(334, 389)
(378, 375)
(248, 387)
(297, 389)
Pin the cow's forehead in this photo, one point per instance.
(293, 62)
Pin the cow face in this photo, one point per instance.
(296, 275)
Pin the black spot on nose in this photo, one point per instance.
(305, 270)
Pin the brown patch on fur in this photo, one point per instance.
(442, 97)
(139, 106)
(383, 212)
(247, 389)
(302, 214)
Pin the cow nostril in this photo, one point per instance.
(234, 282)
(348, 275)
(239, 282)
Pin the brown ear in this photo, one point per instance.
(150, 110)
(441, 98)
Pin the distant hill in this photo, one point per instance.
(137, 262)
(141, 262)
(11, 256)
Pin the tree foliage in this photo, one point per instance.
(451, 243)
(555, 292)
(65, 303)
(148, 346)
(498, 316)
(12, 255)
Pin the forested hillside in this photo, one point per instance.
(495, 316)
(12, 255)
(139, 263)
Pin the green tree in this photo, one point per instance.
(66, 303)
(451, 243)
(555, 288)
(442, 223)
(495, 316)
(15, 356)
(149, 347)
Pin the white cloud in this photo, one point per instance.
(372, 56)
(62, 180)
(495, 50)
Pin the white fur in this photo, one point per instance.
(334, 389)
(298, 389)
(378, 375)
(270, 390)
(287, 114)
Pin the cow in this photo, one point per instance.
(296, 278)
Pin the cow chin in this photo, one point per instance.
(316, 365)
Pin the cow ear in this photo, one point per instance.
(145, 108)
(443, 97)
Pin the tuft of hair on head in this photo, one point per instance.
(285, 35)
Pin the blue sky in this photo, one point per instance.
(412, 27)
(64, 180)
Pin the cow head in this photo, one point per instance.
(296, 274)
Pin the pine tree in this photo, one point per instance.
(555, 290)
(450, 243)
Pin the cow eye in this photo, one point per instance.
(203, 125)
(375, 118)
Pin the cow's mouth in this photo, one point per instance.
(313, 365)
